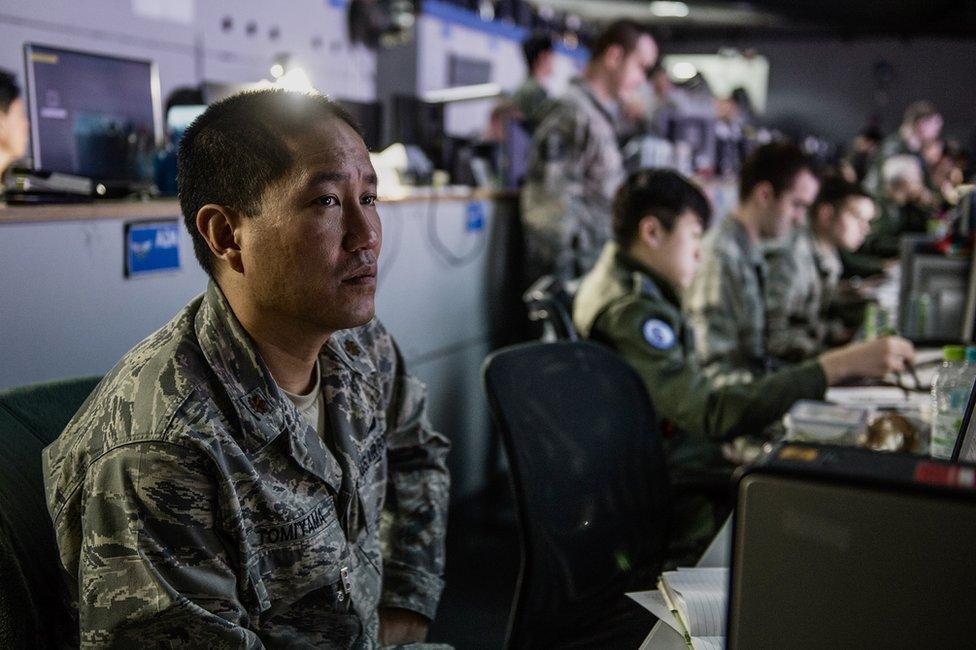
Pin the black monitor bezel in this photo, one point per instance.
(31, 87)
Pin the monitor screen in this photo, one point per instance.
(92, 115)
(965, 449)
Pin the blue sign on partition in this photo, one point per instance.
(151, 247)
(475, 217)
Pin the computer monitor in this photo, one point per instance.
(932, 295)
(92, 115)
(965, 449)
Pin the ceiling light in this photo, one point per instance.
(664, 9)
(277, 70)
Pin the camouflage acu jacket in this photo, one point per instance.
(726, 307)
(802, 282)
(193, 504)
(575, 168)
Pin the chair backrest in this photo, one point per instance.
(34, 611)
(591, 487)
(549, 302)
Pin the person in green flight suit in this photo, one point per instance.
(630, 302)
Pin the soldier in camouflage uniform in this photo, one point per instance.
(725, 303)
(630, 301)
(575, 163)
(532, 98)
(804, 273)
(260, 472)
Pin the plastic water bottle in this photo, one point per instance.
(950, 394)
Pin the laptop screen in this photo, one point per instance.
(965, 449)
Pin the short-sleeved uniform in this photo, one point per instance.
(624, 305)
(195, 506)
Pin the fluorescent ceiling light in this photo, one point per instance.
(669, 9)
(462, 93)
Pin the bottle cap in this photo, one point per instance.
(954, 353)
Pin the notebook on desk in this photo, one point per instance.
(697, 598)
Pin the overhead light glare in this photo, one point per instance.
(277, 70)
(666, 9)
(683, 70)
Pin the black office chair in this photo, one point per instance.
(591, 491)
(550, 303)
(34, 609)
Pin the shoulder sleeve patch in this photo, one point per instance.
(658, 334)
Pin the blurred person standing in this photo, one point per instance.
(14, 127)
(532, 97)
(575, 164)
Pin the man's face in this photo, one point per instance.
(852, 222)
(630, 71)
(679, 252)
(790, 207)
(310, 256)
(14, 130)
(929, 128)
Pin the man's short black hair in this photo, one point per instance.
(834, 191)
(231, 153)
(660, 193)
(9, 90)
(778, 163)
(624, 33)
(535, 46)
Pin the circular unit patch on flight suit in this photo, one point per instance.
(658, 334)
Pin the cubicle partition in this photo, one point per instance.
(82, 286)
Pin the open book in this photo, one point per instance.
(698, 598)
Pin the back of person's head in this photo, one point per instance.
(9, 90)
(241, 145)
(918, 111)
(661, 193)
(835, 191)
(776, 163)
(535, 46)
(624, 33)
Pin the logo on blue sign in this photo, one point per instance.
(152, 247)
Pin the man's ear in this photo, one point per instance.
(220, 228)
(763, 192)
(824, 213)
(650, 231)
(613, 57)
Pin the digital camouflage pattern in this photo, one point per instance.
(533, 101)
(575, 167)
(613, 305)
(726, 308)
(193, 504)
(802, 283)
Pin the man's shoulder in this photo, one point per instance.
(156, 393)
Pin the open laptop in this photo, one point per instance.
(965, 449)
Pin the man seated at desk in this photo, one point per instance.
(630, 301)
(804, 272)
(226, 483)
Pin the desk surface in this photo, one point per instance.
(168, 208)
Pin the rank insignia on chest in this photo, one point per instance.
(658, 334)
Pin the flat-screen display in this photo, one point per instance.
(92, 115)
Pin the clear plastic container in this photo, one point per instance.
(950, 394)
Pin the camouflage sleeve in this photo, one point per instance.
(792, 323)
(714, 310)
(151, 568)
(415, 523)
(556, 207)
(681, 394)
